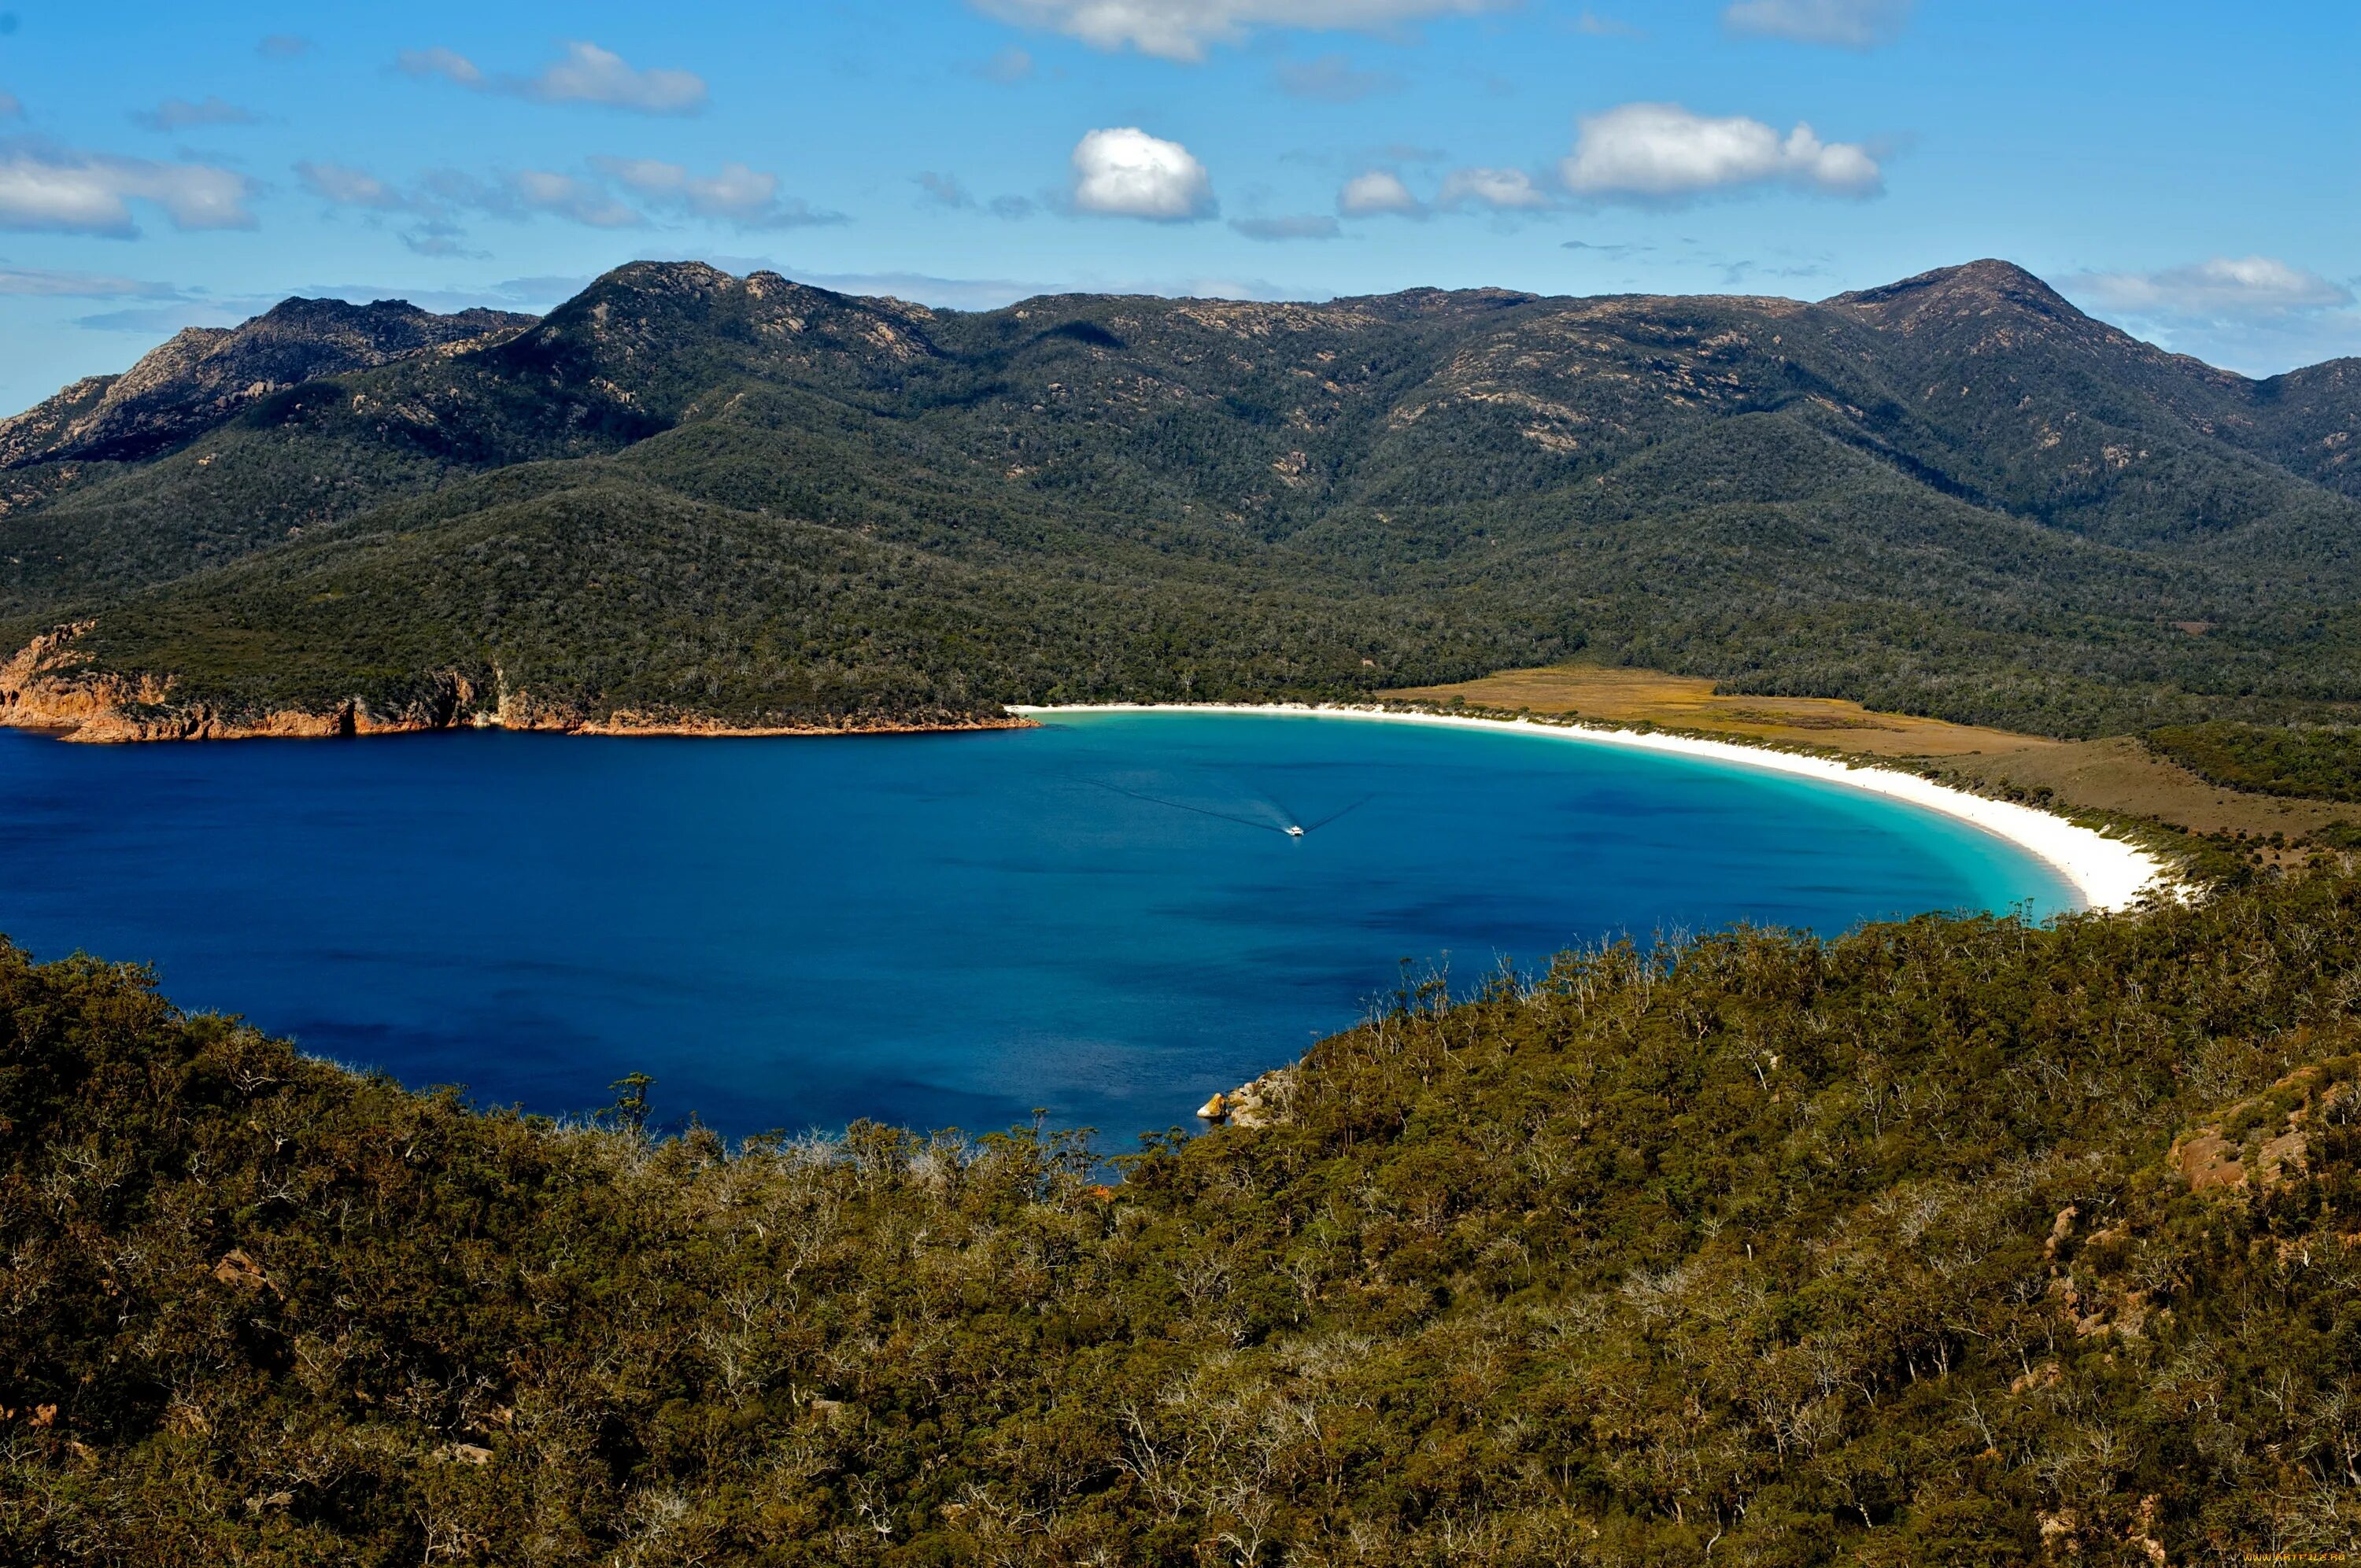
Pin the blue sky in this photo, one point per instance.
(2186, 170)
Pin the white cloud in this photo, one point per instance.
(583, 73)
(33, 281)
(1125, 172)
(736, 194)
(518, 196)
(1502, 190)
(64, 191)
(589, 75)
(576, 199)
(449, 64)
(179, 113)
(11, 107)
(2226, 288)
(1847, 24)
(432, 232)
(284, 46)
(1310, 226)
(1179, 30)
(1374, 192)
(349, 187)
(1662, 152)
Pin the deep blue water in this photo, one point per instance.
(1100, 917)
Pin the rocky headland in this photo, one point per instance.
(50, 684)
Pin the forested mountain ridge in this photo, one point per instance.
(687, 497)
(205, 375)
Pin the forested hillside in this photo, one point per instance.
(2322, 763)
(1954, 1242)
(687, 495)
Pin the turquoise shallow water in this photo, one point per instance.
(1101, 917)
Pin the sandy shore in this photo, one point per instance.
(2107, 873)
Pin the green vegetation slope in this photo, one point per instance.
(2310, 761)
(1952, 1242)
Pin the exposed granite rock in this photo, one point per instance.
(1259, 1102)
(2266, 1140)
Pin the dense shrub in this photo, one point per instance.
(1885, 1250)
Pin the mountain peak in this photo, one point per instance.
(664, 276)
(640, 317)
(301, 308)
(1973, 285)
(676, 291)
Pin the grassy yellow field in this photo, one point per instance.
(2115, 775)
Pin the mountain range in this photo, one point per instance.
(686, 499)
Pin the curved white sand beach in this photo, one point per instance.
(2107, 873)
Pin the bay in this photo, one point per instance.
(1103, 918)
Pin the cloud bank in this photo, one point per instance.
(613, 193)
(745, 197)
(2253, 313)
(59, 190)
(2226, 288)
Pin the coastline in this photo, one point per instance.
(112, 729)
(2109, 875)
(2106, 875)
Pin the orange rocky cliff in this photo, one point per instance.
(49, 684)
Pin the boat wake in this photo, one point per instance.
(1277, 820)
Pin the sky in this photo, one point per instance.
(2185, 170)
